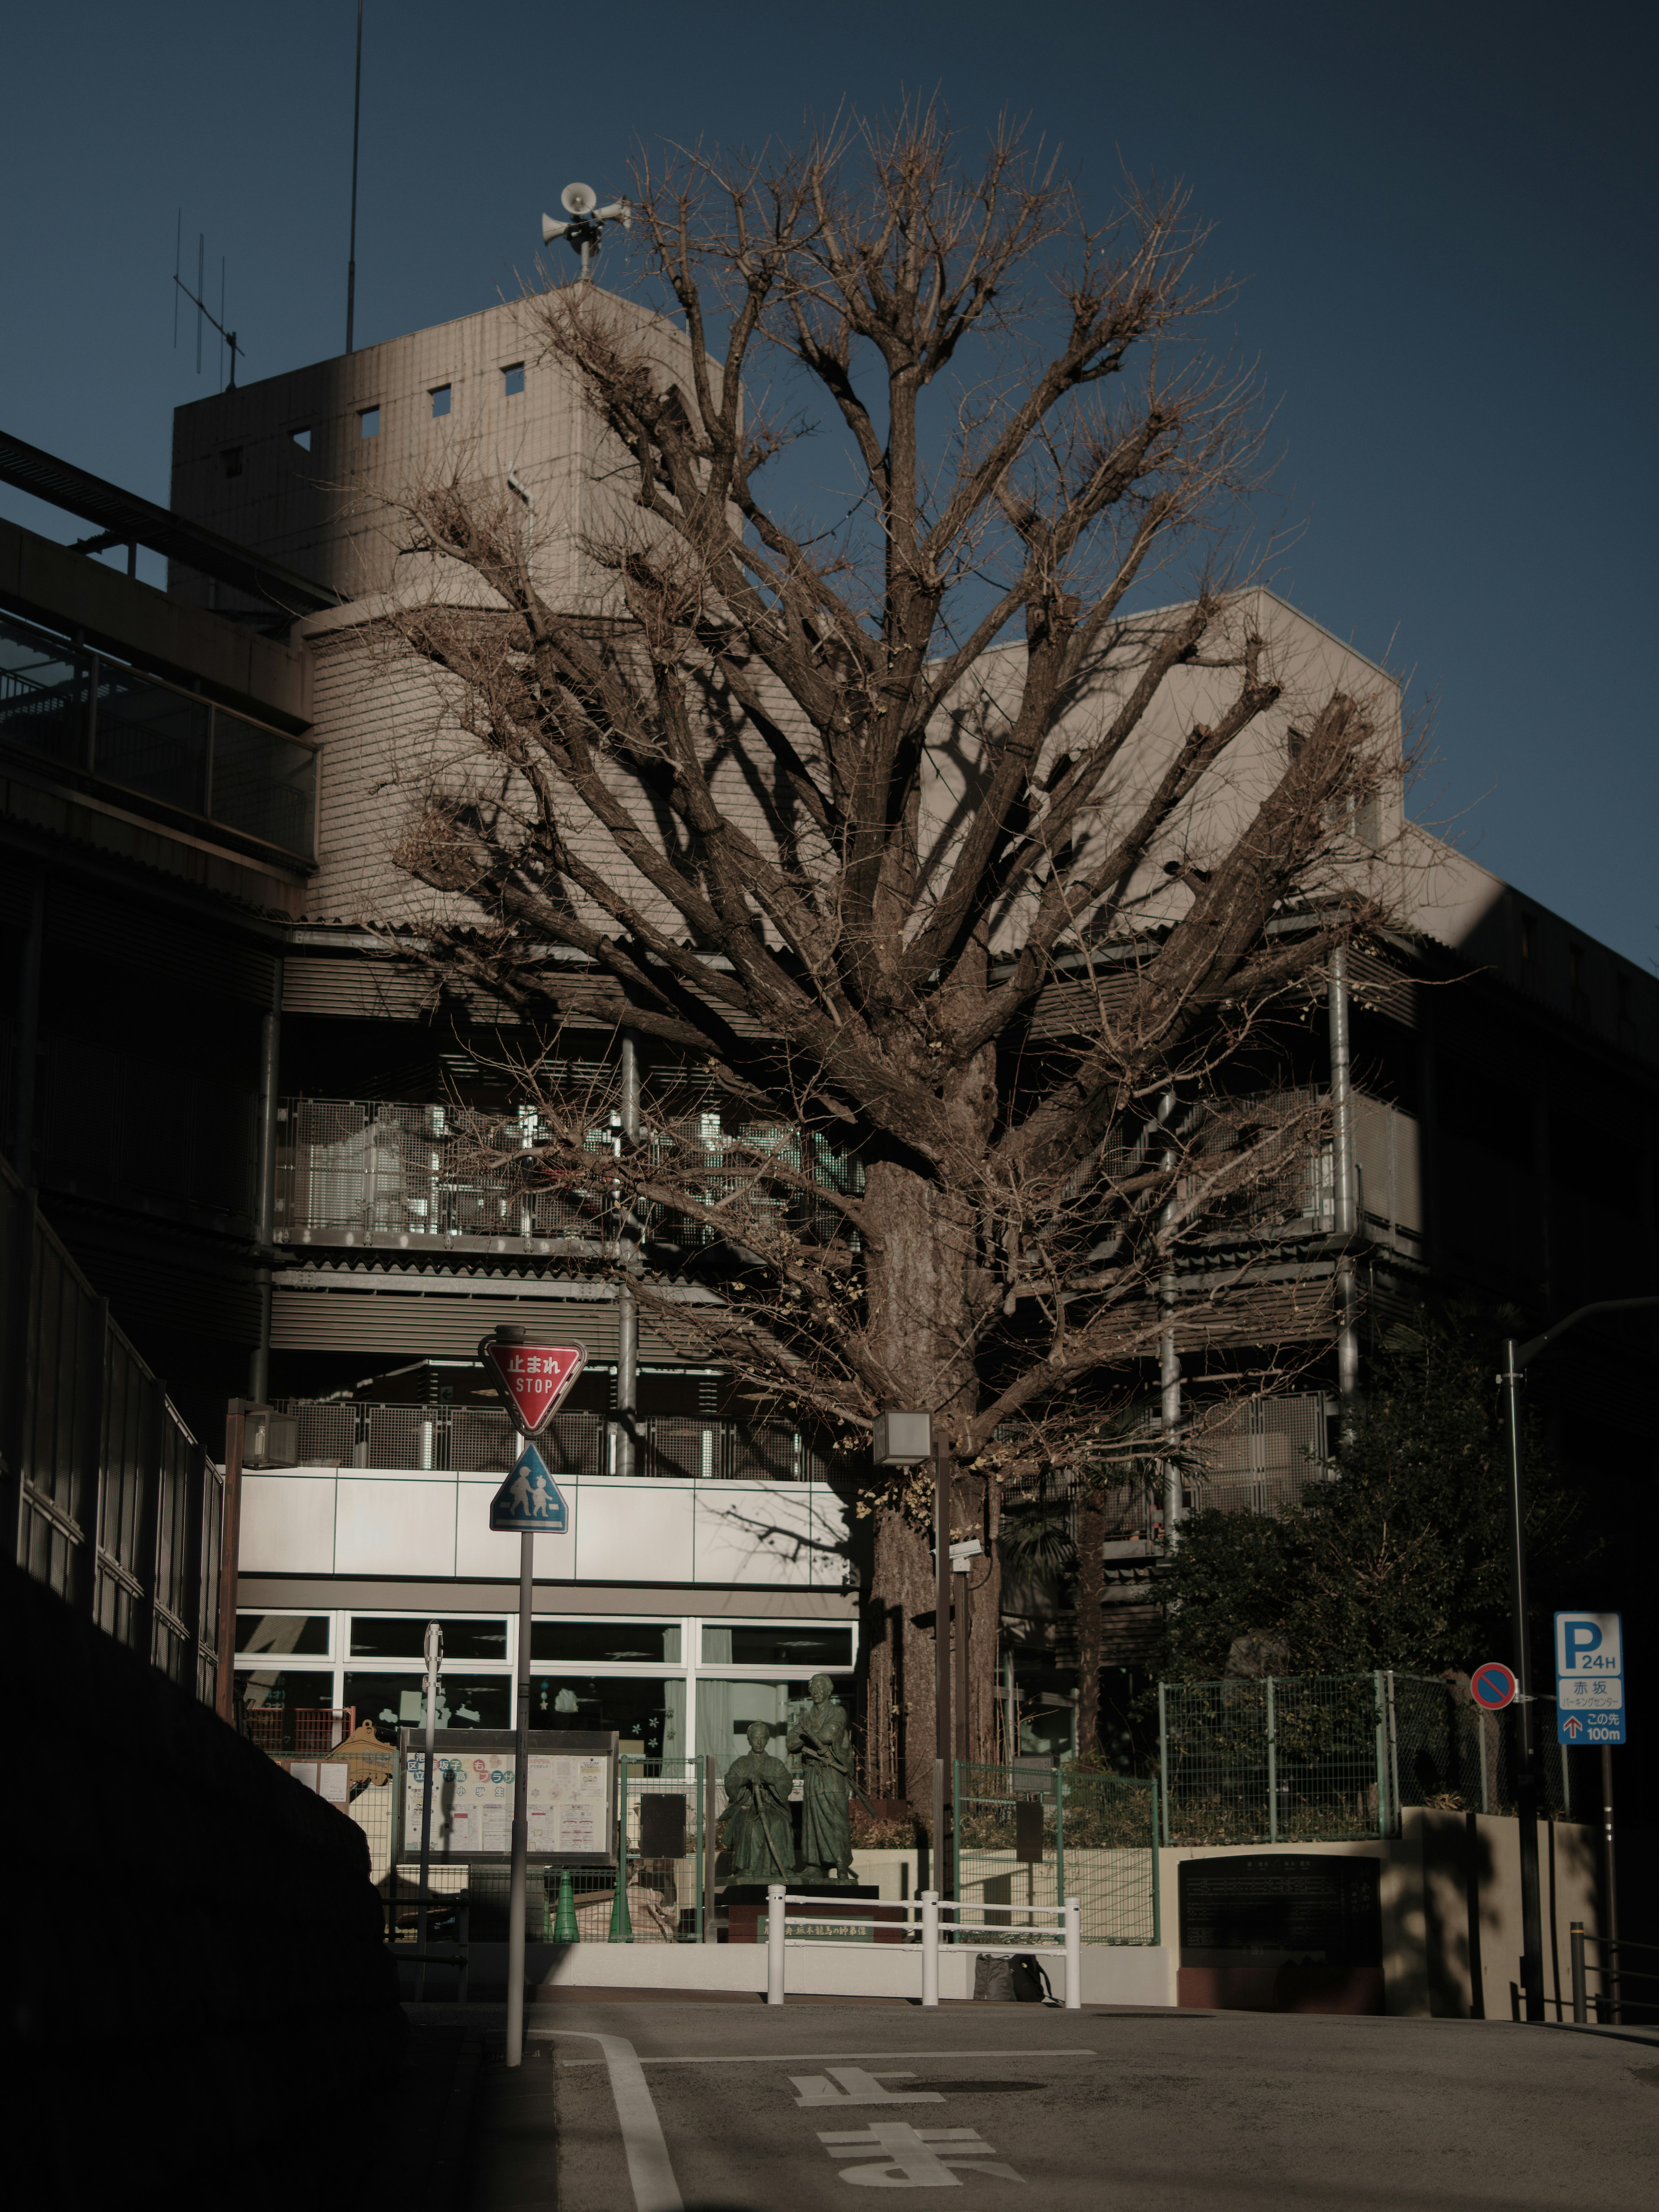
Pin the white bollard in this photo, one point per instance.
(1074, 1954)
(774, 1953)
(930, 1948)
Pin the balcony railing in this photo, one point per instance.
(86, 711)
(366, 1172)
(465, 1440)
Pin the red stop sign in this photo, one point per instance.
(532, 1380)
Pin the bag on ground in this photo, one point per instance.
(1031, 1980)
(994, 1975)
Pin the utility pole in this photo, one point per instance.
(1344, 1212)
(942, 1743)
(1516, 1357)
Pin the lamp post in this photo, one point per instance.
(1516, 1357)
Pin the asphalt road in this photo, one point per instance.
(649, 2107)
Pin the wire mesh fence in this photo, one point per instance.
(466, 1440)
(1024, 1841)
(1326, 1758)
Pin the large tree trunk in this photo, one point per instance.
(919, 1266)
(1090, 1575)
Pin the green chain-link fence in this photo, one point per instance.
(1026, 1838)
(1323, 1757)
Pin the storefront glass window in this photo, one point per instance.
(647, 1713)
(406, 1639)
(601, 1643)
(399, 1700)
(726, 1709)
(779, 1644)
(303, 1634)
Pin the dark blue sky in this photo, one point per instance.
(1445, 217)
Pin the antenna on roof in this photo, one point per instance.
(581, 204)
(203, 311)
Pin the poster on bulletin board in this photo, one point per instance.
(572, 1794)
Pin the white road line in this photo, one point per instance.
(655, 2188)
(785, 2058)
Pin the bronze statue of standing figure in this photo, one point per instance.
(824, 1743)
(756, 1824)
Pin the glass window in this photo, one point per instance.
(263, 784)
(279, 1688)
(304, 1634)
(647, 1715)
(302, 438)
(152, 740)
(440, 400)
(725, 1710)
(406, 1639)
(42, 694)
(464, 1700)
(513, 380)
(781, 1644)
(602, 1642)
(368, 423)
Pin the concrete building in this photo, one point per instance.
(247, 1132)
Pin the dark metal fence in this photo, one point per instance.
(1323, 1757)
(82, 710)
(463, 1439)
(113, 1504)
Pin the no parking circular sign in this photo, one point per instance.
(1493, 1686)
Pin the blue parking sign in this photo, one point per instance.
(1589, 1678)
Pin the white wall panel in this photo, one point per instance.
(635, 1532)
(395, 1525)
(829, 1539)
(287, 1523)
(479, 1551)
(756, 1535)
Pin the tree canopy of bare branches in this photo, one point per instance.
(959, 882)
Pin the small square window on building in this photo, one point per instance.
(232, 458)
(513, 380)
(302, 438)
(368, 423)
(440, 400)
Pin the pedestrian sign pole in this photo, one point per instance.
(532, 1380)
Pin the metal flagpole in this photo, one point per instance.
(515, 1912)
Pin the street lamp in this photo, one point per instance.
(1516, 1356)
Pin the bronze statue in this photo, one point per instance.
(825, 1746)
(755, 1825)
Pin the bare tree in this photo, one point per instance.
(959, 885)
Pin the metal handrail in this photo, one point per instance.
(1577, 1938)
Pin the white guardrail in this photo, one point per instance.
(928, 1912)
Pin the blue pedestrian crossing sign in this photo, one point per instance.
(530, 1503)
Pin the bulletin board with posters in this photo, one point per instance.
(572, 1795)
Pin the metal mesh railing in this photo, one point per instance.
(461, 1439)
(662, 1807)
(1089, 1836)
(1324, 1758)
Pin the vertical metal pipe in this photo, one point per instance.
(1163, 1756)
(515, 1909)
(1010, 1709)
(1609, 1914)
(959, 1585)
(434, 1642)
(356, 118)
(776, 1922)
(930, 1949)
(28, 1029)
(264, 1203)
(1348, 1341)
(1580, 1988)
(942, 1736)
(709, 1933)
(628, 1323)
(1272, 1768)
(1526, 1780)
(229, 1538)
(1169, 1368)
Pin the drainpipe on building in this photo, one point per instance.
(1345, 1223)
(627, 1320)
(265, 1213)
(1168, 1358)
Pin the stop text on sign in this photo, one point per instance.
(532, 1380)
